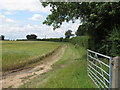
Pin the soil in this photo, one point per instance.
(15, 79)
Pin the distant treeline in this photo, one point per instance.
(45, 39)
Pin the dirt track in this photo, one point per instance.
(14, 80)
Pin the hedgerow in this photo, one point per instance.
(80, 41)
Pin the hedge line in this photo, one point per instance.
(80, 41)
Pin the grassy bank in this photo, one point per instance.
(69, 72)
(16, 54)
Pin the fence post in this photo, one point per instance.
(116, 73)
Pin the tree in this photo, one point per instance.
(97, 17)
(31, 37)
(92, 12)
(81, 31)
(68, 34)
(2, 37)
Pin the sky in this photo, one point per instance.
(19, 18)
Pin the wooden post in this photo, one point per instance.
(116, 73)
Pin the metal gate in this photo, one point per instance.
(99, 69)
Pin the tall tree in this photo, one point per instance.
(68, 34)
(97, 17)
(81, 31)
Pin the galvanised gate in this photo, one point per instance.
(99, 68)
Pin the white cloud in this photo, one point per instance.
(36, 17)
(4, 19)
(8, 13)
(13, 31)
(16, 31)
(31, 5)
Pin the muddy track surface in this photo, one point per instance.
(15, 79)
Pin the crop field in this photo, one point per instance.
(17, 54)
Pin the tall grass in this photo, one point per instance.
(16, 54)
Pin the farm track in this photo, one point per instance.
(17, 78)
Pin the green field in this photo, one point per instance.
(69, 72)
(16, 54)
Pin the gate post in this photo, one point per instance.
(116, 73)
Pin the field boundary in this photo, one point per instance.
(29, 64)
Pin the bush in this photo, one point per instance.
(111, 45)
(80, 41)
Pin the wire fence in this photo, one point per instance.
(99, 69)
